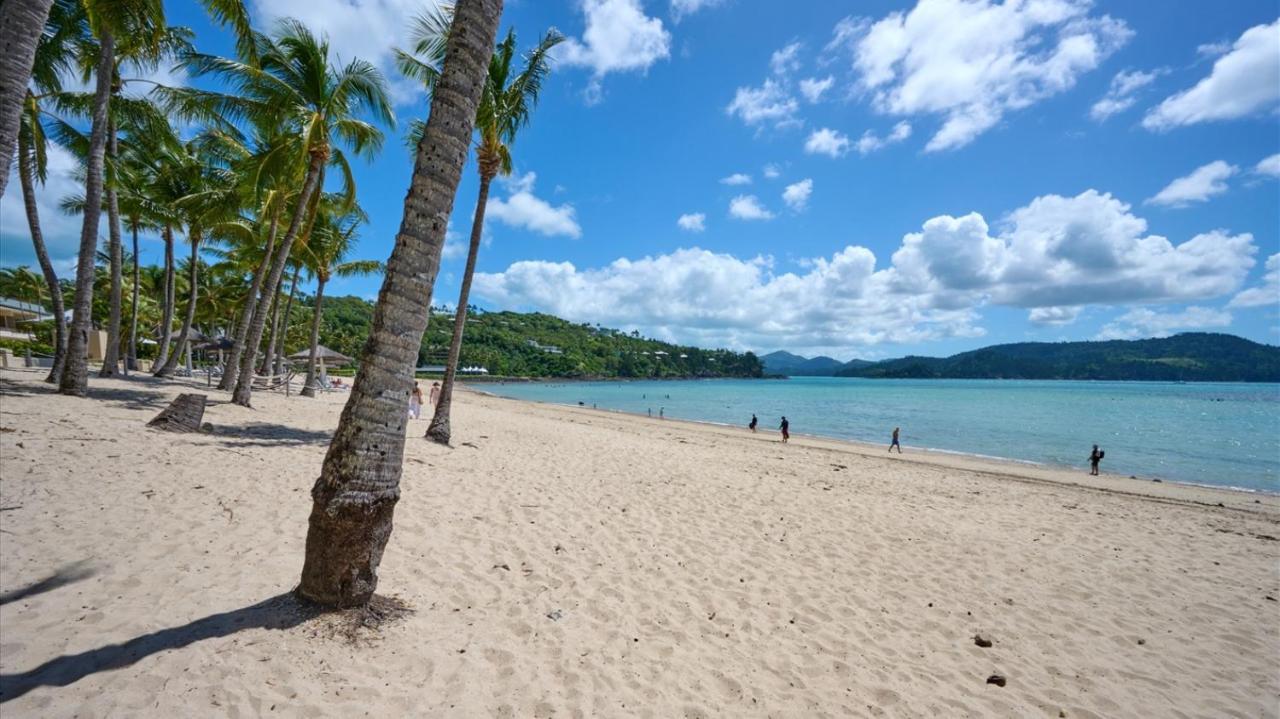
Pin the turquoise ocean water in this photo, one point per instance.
(1205, 433)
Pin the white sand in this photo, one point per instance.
(693, 571)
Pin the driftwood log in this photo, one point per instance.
(183, 414)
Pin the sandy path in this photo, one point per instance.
(577, 563)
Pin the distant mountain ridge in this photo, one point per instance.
(1188, 357)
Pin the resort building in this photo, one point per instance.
(15, 314)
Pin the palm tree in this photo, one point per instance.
(333, 238)
(293, 87)
(506, 104)
(354, 498)
(21, 27)
(22, 284)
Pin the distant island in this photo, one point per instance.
(1188, 357)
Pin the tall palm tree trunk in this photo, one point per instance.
(166, 312)
(355, 496)
(26, 173)
(111, 356)
(275, 353)
(232, 369)
(265, 367)
(132, 361)
(21, 24)
(75, 374)
(309, 389)
(244, 383)
(439, 429)
(193, 294)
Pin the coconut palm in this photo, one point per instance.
(506, 104)
(21, 26)
(294, 87)
(355, 496)
(332, 239)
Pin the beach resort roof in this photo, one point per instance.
(323, 354)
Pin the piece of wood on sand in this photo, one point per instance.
(182, 415)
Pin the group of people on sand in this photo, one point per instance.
(415, 399)
(785, 428)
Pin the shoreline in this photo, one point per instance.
(1012, 468)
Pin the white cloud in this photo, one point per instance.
(619, 37)
(1203, 183)
(812, 88)
(523, 209)
(1053, 316)
(1120, 96)
(870, 142)
(797, 195)
(973, 62)
(1141, 323)
(771, 171)
(682, 8)
(786, 60)
(1214, 49)
(1056, 256)
(1265, 294)
(1269, 166)
(693, 222)
(1243, 82)
(769, 103)
(748, 207)
(826, 142)
(61, 232)
(737, 178)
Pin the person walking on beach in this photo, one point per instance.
(894, 443)
(786, 429)
(415, 402)
(435, 393)
(1094, 458)
(753, 424)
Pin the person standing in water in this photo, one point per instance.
(786, 429)
(1094, 458)
(754, 422)
(894, 443)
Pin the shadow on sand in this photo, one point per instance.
(267, 434)
(283, 611)
(73, 572)
(125, 397)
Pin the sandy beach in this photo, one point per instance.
(570, 562)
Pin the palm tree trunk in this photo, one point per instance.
(166, 312)
(265, 367)
(232, 369)
(193, 294)
(244, 383)
(75, 374)
(309, 389)
(276, 354)
(111, 357)
(26, 173)
(21, 24)
(439, 429)
(355, 496)
(132, 361)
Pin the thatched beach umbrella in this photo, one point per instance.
(323, 355)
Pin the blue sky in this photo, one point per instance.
(911, 177)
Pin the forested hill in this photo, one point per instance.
(514, 344)
(1190, 357)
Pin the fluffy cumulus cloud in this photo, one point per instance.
(771, 103)
(972, 62)
(737, 178)
(772, 172)
(693, 222)
(1122, 93)
(826, 141)
(1269, 166)
(1143, 322)
(1266, 294)
(682, 8)
(1053, 257)
(748, 207)
(618, 37)
(813, 89)
(1203, 183)
(797, 195)
(525, 210)
(61, 231)
(870, 142)
(1244, 81)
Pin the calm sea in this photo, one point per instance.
(1215, 434)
